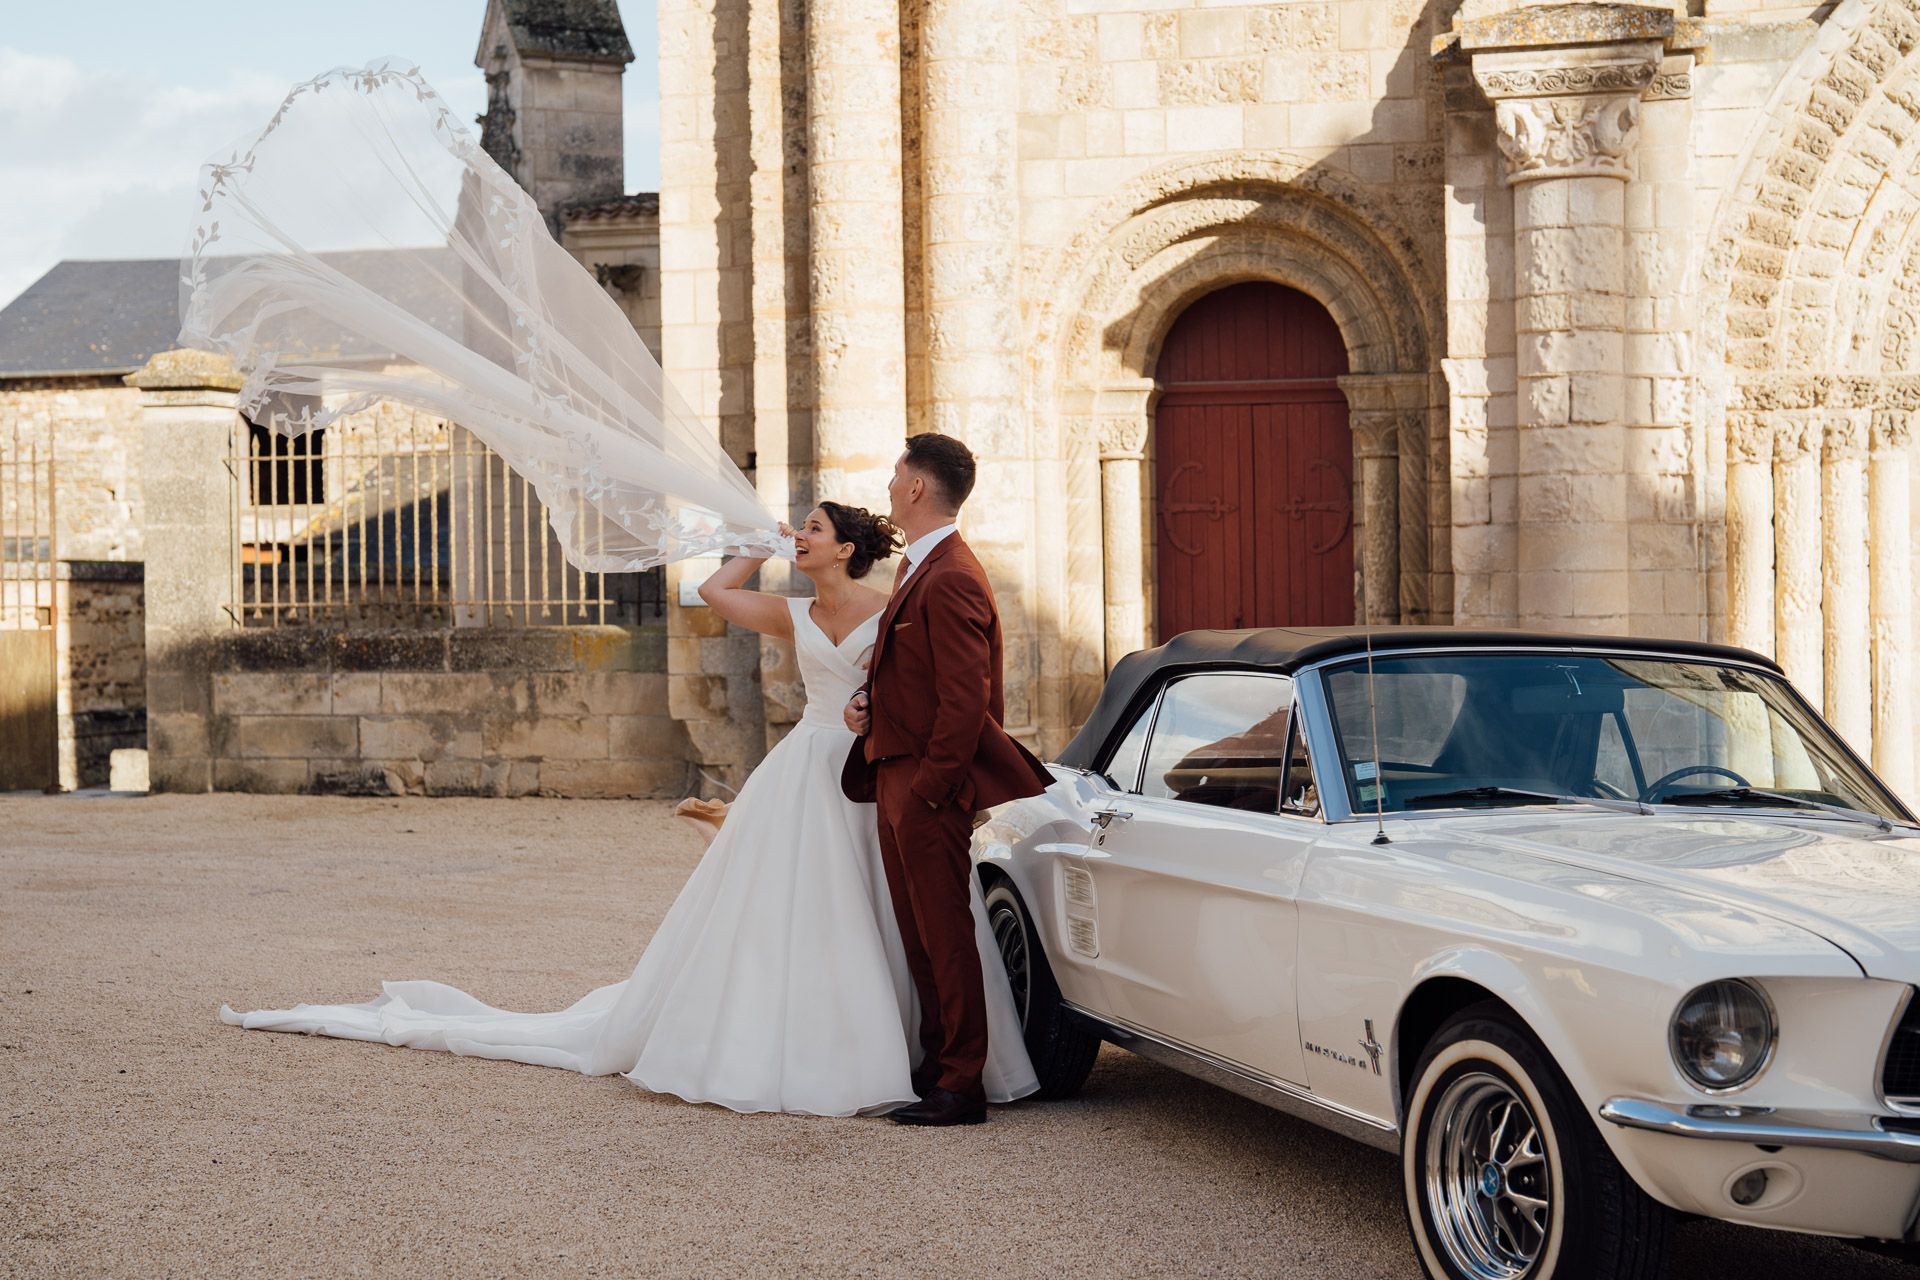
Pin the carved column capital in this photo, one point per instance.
(1121, 411)
(1795, 432)
(1122, 436)
(1376, 433)
(1844, 433)
(1568, 112)
(1749, 437)
(1892, 431)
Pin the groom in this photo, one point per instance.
(931, 751)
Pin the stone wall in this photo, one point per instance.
(101, 666)
(620, 244)
(577, 711)
(94, 424)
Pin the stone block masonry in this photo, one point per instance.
(100, 639)
(579, 712)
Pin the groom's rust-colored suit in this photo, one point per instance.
(934, 753)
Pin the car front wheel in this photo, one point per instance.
(1059, 1041)
(1506, 1176)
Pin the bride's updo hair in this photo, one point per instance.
(873, 536)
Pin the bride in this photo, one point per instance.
(777, 980)
(363, 247)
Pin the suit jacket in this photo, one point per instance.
(935, 689)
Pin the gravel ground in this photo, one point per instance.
(142, 1136)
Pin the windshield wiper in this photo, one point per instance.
(1513, 797)
(1776, 799)
(1488, 796)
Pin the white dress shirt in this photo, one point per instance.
(918, 549)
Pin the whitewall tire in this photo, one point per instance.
(1505, 1175)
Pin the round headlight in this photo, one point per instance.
(1722, 1034)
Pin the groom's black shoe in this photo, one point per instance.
(942, 1107)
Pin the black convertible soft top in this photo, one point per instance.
(1287, 649)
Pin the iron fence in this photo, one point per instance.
(29, 631)
(26, 527)
(390, 520)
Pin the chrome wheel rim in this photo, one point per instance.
(1489, 1188)
(1010, 936)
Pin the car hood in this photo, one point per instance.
(1854, 885)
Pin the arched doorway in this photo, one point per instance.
(1253, 459)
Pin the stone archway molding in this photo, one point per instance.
(1296, 194)
(1185, 230)
(1809, 360)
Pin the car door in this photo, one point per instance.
(1193, 872)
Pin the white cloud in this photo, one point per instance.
(104, 166)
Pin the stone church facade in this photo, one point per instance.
(1582, 317)
(1590, 317)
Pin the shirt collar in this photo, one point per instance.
(917, 549)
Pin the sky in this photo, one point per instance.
(109, 107)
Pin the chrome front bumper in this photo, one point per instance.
(1766, 1127)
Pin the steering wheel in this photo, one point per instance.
(1660, 784)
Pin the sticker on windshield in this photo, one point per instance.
(1364, 770)
(1369, 792)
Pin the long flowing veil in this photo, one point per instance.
(364, 247)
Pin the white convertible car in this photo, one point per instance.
(1587, 930)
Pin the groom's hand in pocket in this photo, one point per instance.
(857, 716)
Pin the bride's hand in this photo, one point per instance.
(786, 530)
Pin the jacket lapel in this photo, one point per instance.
(900, 597)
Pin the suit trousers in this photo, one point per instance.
(926, 853)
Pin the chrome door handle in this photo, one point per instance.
(1107, 817)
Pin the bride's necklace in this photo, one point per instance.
(832, 614)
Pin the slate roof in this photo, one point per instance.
(94, 318)
(568, 29)
(86, 317)
(639, 204)
(1287, 649)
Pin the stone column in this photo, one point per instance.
(1383, 410)
(776, 318)
(707, 348)
(855, 275)
(1891, 597)
(1796, 553)
(1083, 632)
(1848, 668)
(1122, 423)
(188, 420)
(969, 51)
(1565, 81)
(1750, 530)
(1376, 444)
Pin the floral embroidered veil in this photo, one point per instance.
(363, 247)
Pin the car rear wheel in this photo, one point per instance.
(1059, 1041)
(1506, 1177)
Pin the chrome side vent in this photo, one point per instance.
(1900, 1075)
(1083, 933)
(1079, 887)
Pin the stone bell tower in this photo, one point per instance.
(553, 116)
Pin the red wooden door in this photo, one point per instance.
(1253, 465)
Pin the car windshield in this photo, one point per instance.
(1472, 730)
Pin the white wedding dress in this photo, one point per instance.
(777, 980)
